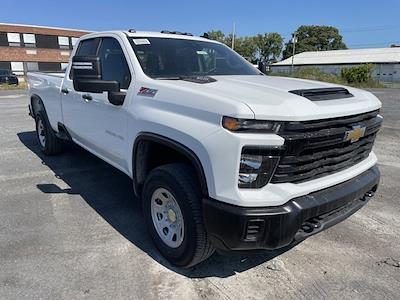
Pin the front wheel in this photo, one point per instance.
(173, 214)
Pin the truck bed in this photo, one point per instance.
(47, 86)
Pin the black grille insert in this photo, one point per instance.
(314, 149)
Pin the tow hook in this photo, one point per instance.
(367, 195)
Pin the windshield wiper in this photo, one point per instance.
(169, 78)
(192, 78)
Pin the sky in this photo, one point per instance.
(364, 24)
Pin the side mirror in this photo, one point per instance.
(263, 66)
(116, 98)
(87, 77)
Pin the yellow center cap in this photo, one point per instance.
(171, 215)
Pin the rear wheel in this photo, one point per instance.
(48, 141)
(173, 214)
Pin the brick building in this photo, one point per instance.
(26, 48)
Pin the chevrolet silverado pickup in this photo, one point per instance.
(222, 156)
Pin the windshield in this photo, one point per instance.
(170, 58)
(4, 72)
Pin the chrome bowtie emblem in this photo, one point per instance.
(355, 134)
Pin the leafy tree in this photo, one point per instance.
(269, 46)
(245, 46)
(315, 38)
(217, 35)
(266, 46)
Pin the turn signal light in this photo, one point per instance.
(249, 125)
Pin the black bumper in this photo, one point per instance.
(243, 228)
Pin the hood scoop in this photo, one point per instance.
(323, 94)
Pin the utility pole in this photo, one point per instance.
(233, 36)
(294, 41)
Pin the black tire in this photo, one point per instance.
(180, 181)
(52, 144)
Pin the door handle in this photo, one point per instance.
(87, 97)
(65, 91)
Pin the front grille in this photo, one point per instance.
(314, 149)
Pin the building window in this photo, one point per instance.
(14, 39)
(5, 65)
(29, 40)
(47, 41)
(63, 41)
(74, 40)
(32, 66)
(17, 67)
(3, 39)
(64, 66)
(49, 67)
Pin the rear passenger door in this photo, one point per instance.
(73, 116)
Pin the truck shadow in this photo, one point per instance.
(109, 192)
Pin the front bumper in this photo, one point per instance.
(250, 228)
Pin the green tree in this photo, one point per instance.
(315, 38)
(217, 35)
(244, 45)
(269, 46)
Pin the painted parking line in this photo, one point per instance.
(12, 96)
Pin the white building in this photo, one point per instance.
(385, 60)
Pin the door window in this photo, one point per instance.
(113, 63)
(88, 47)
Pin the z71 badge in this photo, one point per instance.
(144, 91)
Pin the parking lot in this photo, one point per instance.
(71, 228)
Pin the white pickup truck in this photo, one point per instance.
(222, 156)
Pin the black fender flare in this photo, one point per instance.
(177, 146)
(40, 104)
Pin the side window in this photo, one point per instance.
(86, 47)
(113, 62)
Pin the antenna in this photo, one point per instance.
(233, 35)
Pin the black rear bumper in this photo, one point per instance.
(243, 228)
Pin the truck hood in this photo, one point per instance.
(269, 98)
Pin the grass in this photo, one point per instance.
(316, 74)
(21, 86)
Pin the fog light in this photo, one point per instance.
(256, 167)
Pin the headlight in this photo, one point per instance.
(250, 126)
(257, 165)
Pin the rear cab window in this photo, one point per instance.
(86, 47)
